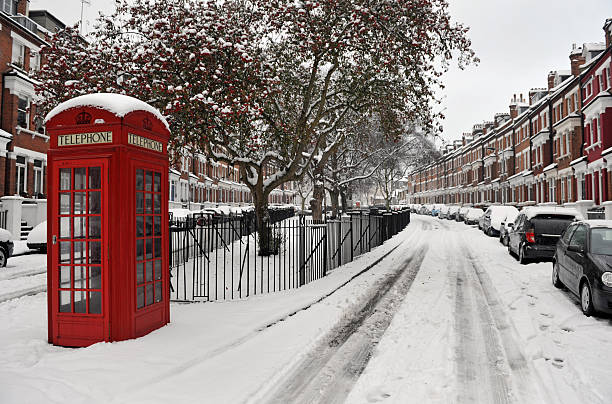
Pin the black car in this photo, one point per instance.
(583, 263)
(536, 232)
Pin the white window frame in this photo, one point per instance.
(39, 179)
(23, 166)
(18, 53)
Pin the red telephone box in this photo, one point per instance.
(107, 263)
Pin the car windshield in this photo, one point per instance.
(601, 241)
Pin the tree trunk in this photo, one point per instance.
(262, 222)
(343, 201)
(334, 196)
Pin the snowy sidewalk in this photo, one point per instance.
(200, 336)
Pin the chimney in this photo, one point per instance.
(608, 32)
(513, 107)
(551, 80)
(23, 7)
(576, 59)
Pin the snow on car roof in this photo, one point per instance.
(118, 104)
(532, 211)
(598, 223)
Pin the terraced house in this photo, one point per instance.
(552, 147)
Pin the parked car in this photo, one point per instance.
(460, 216)
(583, 263)
(537, 230)
(452, 212)
(472, 215)
(6, 246)
(505, 226)
(493, 218)
(37, 239)
(444, 212)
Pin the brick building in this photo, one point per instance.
(195, 182)
(553, 147)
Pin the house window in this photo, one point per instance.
(18, 57)
(22, 112)
(34, 61)
(9, 6)
(38, 177)
(22, 178)
(595, 135)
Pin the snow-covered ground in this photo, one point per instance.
(466, 323)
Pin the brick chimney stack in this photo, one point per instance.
(576, 59)
(608, 32)
(551, 80)
(513, 107)
(23, 7)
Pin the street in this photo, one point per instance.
(443, 314)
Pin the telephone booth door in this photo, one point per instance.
(79, 239)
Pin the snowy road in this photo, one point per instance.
(438, 314)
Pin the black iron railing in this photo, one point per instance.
(218, 257)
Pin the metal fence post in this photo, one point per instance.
(302, 250)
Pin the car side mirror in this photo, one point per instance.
(575, 248)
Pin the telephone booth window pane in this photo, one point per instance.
(139, 180)
(79, 203)
(64, 204)
(65, 179)
(157, 220)
(158, 248)
(79, 254)
(139, 226)
(149, 267)
(139, 203)
(64, 278)
(158, 292)
(157, 203)
(95, 252)
(140, 273)
(95, 226)
(65, 248)
(64, 301)
(79, 227)
(149, 227)
(140, 297)
(95, 302)
(79, 178)
(94, 202)
(95, 278)
(158, 270)
(157, 182)
(95, 178)
(139, 250)
(80, 301)
(80, 277)
(64, 225)
(148, 181)
(148, 203)
(149, 248)
(149, 294)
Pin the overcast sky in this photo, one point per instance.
(517, 41)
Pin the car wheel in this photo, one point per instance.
(3, 257)
(521, 255)
(586, 299)
(555, 276)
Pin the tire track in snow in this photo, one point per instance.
(490, 364)
(328, 373)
